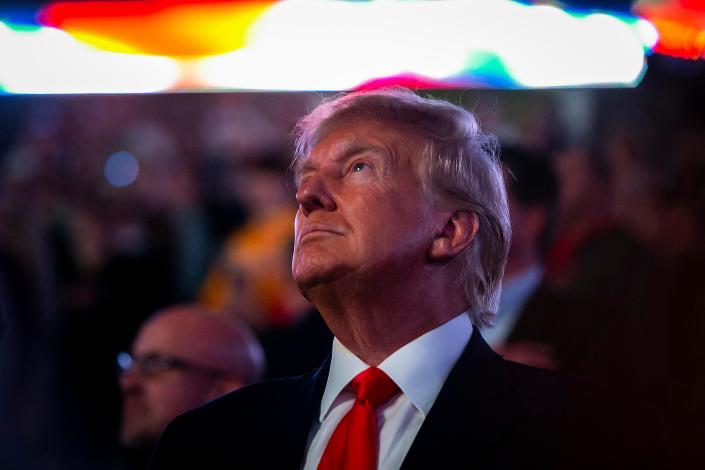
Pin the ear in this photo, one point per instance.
(457, 233)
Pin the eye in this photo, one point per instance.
(358, 167)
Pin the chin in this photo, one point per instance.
(306, 283)
(315, 276)
(135, 440)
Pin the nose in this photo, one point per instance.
(313, 195)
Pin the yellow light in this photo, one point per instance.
(158, 27)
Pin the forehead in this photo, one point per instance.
(339, 141)
(179, 333)
(160, 334)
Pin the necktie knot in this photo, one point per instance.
(374, 386)
(354, 443)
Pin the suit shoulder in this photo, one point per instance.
(244, 422)
(249, 400)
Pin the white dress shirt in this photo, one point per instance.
(419, 369)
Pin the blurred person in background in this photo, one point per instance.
(595, 318)
(532, 193)
(87, 261)
(182, 357)
(681, 242)
(251, 279)
(594, 267)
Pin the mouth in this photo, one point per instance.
(316, 229)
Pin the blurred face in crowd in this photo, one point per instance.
(362, 211)
(177, 365)
(528, 223)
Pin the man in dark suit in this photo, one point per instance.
(401, 237)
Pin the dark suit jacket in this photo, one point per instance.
(490, 413)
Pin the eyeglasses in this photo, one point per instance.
(154, 364)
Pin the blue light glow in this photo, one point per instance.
(121, 169)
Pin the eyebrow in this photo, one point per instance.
(345, 151)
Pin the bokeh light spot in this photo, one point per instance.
(121, 169)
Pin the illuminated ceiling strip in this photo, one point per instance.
(47, 60)
(327, 45)
(335, 45)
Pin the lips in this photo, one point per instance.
(318, 229)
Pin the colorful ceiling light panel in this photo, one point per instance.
(319, 45)
(680, 24)
(170, 28)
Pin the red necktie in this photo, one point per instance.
(353, 445)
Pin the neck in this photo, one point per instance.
(375, 317)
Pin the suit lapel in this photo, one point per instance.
(300, 407)
(473, 409)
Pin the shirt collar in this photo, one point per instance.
(419, 368)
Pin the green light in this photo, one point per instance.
(22, 28)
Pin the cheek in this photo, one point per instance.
(297, 262)
(157, 400)
(401, 229)
(297, 223)
(172, 397)
(161, 393)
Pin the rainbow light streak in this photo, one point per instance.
(147, 46)
(47, 60)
